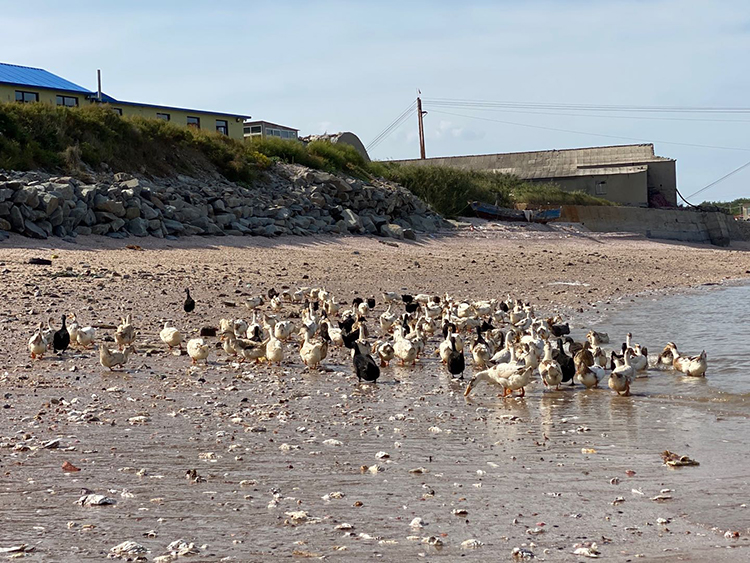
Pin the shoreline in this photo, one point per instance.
(271, 441)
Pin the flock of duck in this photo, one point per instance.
(508, 344)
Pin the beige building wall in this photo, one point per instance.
(179, 117)
(8, 94)
(628, 189)
(176, 116)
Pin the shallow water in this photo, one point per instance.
(511, 463)
(707, 418)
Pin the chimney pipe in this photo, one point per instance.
(99, 84)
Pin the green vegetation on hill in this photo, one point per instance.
(41, 136)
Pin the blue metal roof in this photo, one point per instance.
(36, 77)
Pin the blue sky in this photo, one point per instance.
(330, 66)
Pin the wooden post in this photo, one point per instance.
(420, 115)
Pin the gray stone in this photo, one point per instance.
(34, 231)
(368, 225)
(83, 230)
(409, 234)
(173, 226)
(130, 184)
(392, 230)
(148, 212)
(132, 212)
(352, 220)
(103, 203)
(5, 194)
(138, 227)
(100, 229)
(16, 219)
(4, 225)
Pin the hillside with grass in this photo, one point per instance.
(94, 139)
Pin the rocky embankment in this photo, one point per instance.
(289, 199)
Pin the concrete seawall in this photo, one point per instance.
(682, 225)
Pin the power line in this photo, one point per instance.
(591, 134)
(724, 177)
(643, 117)
(391, 127)
(588, 107)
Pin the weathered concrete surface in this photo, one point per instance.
(670, 224)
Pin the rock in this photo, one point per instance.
(16, 219)
(34, 231)
(4, 225)
(392, 230)
(83, 230)
(137, 227)
(102, 203)
(352, 220)
(409, 234)
(49, 203)
(173, 227)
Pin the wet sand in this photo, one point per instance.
(267, 441)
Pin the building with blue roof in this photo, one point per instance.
(25, 84)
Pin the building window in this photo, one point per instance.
(256, 130)
(601, 188)
(164, 116)
(222, 126)
(118, 111)
(67, 101)
(26, 97)
(194, 122)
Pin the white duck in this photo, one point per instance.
(171, 336)
(311, 352)
(387, 319)
(694, 366)
(403, 348)
(274, 350)
(80, 336)
(591, 376)
(111, 358)
(384, 350)
(549, 369)
(37, 344)
(622, 376)
(198, 349)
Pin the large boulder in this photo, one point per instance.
(138, 227)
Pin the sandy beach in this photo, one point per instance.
(277, 452)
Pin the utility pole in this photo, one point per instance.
(420, 116)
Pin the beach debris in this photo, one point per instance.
(614, 481)
(192, 475)
(374, 469)
(417, 523)
(460, 512)
(40, 261)
(344, 526)
(138, 420)
(128, 550)
(522, 554)
(435, 429)
(69, 467)
(630, 473)
(297, 516)
(535, 531)
(587, 549)
(663, 521)
(618, 500)
(382, 455)
(332, 442)
(181, 548)
(17, 549)
(731, 534)
(333, 495)
(672, 459)
(433, 541)
(661, 497)
(471, 543)
(418, 471)
(588, 451)
(92, 499)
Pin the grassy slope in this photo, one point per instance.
(40, 136)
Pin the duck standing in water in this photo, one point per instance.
(189, 304)
(364, 365)
(61, 338)
(456, 362)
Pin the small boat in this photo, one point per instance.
(495, 213)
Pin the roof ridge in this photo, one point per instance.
(23, 66)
